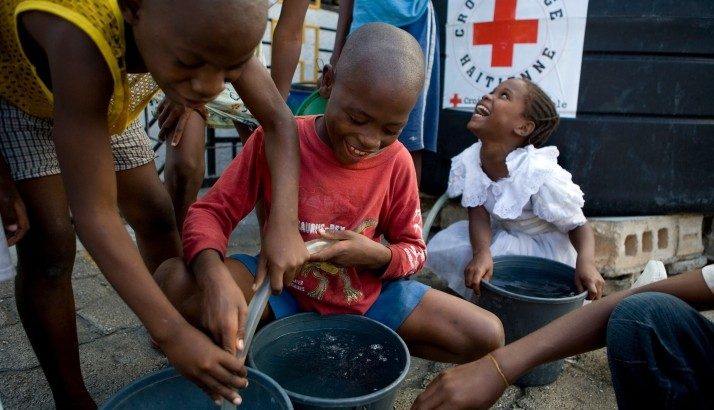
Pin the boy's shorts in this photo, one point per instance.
(393, 306)
(27, 145)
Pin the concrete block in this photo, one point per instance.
(623, 245)
(689, 235)
(686, 265)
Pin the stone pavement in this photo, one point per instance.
(114, 350)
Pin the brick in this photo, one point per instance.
(689, 235)
(686, 265)
(623, 245)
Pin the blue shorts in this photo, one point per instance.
(395, 303)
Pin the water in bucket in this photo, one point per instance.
(338, 364)
(526, 293)
(332, 362)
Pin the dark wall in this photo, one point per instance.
(643, 139)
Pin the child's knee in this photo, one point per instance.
(156, 217)
(485, 333)
(49, 251)
(169, 271)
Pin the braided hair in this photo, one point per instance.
(540, 109)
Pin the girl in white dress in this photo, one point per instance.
(519, 200)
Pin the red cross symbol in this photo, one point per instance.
(504, 32)
(455, 100)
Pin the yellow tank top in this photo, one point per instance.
(102, 21)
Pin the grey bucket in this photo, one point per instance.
(527, 293)
(166, 389)
(332, 362)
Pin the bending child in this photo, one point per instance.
(519, 200)
(659, 349)
(185, 156)
(77, 72)
(357, 186)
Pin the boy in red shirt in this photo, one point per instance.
(357, 185)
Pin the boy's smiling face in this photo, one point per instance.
(192, 47)
(364, 117)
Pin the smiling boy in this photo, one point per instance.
(357, 187)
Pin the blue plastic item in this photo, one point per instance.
(166, 389)
(298, 93)
(527, 293)
(332, 362)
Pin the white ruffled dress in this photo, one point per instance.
(531, 211)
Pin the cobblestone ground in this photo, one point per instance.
(114, 350)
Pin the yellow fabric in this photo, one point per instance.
(102, 21)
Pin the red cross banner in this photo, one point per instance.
(489, 41)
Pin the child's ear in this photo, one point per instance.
(525, 128)
(130, 10)
(328, 80)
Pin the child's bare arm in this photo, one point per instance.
(478, 385)
(481, 265)
(287, 43)
(587, 276)
(81, 85)
(344, 21)
(283, 250)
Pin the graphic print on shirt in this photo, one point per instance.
(324, 272)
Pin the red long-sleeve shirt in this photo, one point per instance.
(376, 197)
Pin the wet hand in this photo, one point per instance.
(352, 249)
(282, 254)
(588, 278)
(475, 385)
(214, 370)
(224, 308)
(479, 268)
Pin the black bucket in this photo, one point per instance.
(166, 389)
(332, 362)
(527, 293)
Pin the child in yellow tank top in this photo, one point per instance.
(66, 68)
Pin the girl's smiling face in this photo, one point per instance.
(501, 112)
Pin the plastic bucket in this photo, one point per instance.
(527, 293)
(314, 104)
(332, 362)
(166, 389)
(299, 92)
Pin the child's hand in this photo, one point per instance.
(588, 278)
(282, 254)
(475, 385)
(480, 268)
(224, 309)
(353, 249)
(214, 370)
(12, 212)
(172, 118)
